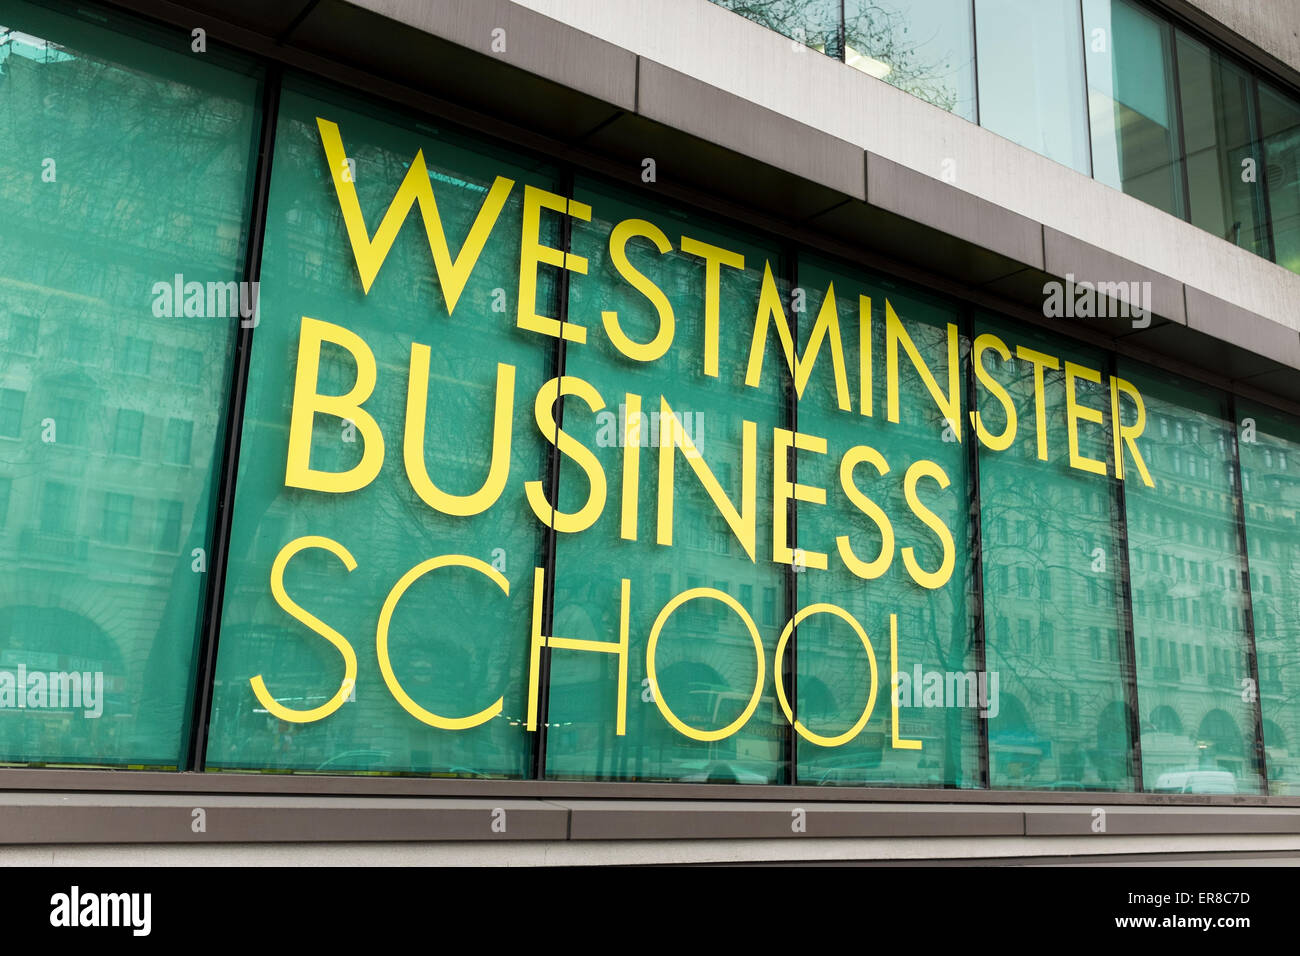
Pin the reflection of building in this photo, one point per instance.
(1143, 637)
(107, 411)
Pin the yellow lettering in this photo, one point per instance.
(313, 623)
(714, 258)
(1040, 361)
(827, 326)
(532, 254)
(996, 442)
(307, 403)
(415, 188)
(938, 578)
(840, 739)
(618, 238)
(950, 404)
(543, 408)
(1127, 434)
(677, 723)
(867, 570)
(743, 523)
(417, 397)
(381, 640)
(783, 491)
(1074, 413)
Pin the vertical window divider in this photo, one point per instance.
(219, 532)
(550, 537)
(1176, 79)
(975, 60)
(976, 537)
(1248, 612)
(1261, 176)
(1128, 648)
(844, 36)
(1087, 106)
(790, 665)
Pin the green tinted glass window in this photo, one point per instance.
(1053, 619)
(708, 581)
(125, 158)
(325, 535)
(1269, 443)
(1198, 726)
(884, 537)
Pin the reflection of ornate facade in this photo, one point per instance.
(108, 415)
(1272, 503)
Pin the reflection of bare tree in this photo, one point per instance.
(868, 30)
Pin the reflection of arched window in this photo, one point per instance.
(1219, 731)
(692, 690)
(815, 700)
(1013, 716)
(51, 631)
(1165, 720)
(1113, 727)
(1274, 736)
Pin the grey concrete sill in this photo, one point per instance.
(114, 818)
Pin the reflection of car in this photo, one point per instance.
(1196, 781)
(356, 760)
(719, 771)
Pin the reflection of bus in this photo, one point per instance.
(1196, 781)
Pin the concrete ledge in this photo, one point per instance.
(1064, 255)
(1126, 821)
(684, 103)
(156, 818)
(114, 818)
(658, 820)
(966, 217)
(500, 31)
(1204, 850)
(1237, 326)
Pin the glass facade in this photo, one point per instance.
(1031, 83)
(126, 175)
(563, 481)
(1110, 88)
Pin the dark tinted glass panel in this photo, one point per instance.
(1270, 479)
(1053, 618)
(1279, 117)
(1223, 159)
(884, 537)
(1198, 720)
(125, 174)
(1132, 102)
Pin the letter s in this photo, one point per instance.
(314, 623)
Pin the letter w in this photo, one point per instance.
(415, 188)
